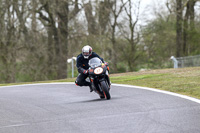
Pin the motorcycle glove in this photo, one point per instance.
(82, 70)
(106, 63)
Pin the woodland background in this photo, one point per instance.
(38, 36)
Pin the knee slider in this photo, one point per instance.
(78, 83)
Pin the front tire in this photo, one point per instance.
(105, 88)
(102, 97)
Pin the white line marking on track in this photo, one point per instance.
(122, 85)
(17, 125)
(161, 91)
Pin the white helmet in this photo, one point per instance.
(86, 51)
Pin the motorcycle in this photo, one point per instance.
(99, 78)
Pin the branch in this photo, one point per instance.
(75, 10)
(44, 17)
(167, 4)
(137, 18)
(121, 7)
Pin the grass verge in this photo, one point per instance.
(184, 81)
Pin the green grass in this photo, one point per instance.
(49, 81)
(184, 81)
(123, 79)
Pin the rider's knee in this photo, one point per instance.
(78, 83)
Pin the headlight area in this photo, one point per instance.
(98, 70)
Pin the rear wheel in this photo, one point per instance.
(105, 90)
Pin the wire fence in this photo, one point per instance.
(189, 61)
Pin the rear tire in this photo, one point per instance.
(105, 88)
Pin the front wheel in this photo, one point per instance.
(105, 89)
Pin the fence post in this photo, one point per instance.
(71, 60)
(175, 61)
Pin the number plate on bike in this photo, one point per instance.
(98, 70)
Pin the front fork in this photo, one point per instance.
(92, 83)
(96, 88)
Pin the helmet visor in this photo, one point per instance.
(86, 53)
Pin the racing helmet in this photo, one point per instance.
(86, 51)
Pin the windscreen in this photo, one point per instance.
(95, 62)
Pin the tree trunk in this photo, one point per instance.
(185, 33)
(188, 27)
(114, 25)
(114, 49)
(63, 19)
(9, 59)
(92, 26)
(178, 28)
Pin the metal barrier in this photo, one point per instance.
(189, 61)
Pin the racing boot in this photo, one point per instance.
(86, 83)
(91, 89)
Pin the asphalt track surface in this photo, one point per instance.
(66, 108)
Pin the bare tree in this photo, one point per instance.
(104, 15)
(188, 25)
(115, 11)
(179, 20)
(8, 43)
(57, 25)
(132, 37)
(62, 47)
(92, 25)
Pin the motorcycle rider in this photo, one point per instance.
(82, 65)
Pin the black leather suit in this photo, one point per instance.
(82, 66)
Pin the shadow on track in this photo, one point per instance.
(94, 100)
(99, 100)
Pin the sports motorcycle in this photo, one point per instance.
(99, 78)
